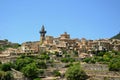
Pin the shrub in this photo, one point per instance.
(56, 73)
(75, 72)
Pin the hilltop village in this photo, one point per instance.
(50, 58)
(63, 42)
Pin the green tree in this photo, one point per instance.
(41, 72)
(41, 64)
(87, 60)
(30, 70)
(68, 65)
(100, 53)
(56, 73)
(99, 58)
(37, 79)
(6, 66)
(44, 57)
(6, 75)
(22, 62)
(75, 72)
(2, 74)
(116, 52)
(90, 60)
(106, 57)
(114, 64)
(67, 59)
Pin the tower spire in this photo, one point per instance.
(42, 34)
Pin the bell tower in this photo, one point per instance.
(42, 34)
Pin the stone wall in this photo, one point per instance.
(100, 72)
(95, 67)
(18, 75)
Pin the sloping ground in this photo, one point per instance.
(95, 71)
(116, 36)
(17, 75)
(51, 78)
(100, 72)
(104, 75)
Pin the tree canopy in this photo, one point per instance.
(114, 64)
(30, 70)
(75, 72)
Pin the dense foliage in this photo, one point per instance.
(66, 60)
(31, 66)
(114, 64)
(6, 75)
(75, 72)
(111, 58)
(4, 47)
(56, 73)
(6, 66)
(34, 66)
(30, 70)
(5, 71)
(116, 36)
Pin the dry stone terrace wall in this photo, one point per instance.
(18, 75)
(103, 76)
(94, 67)
(8, 59)
(100, 72)
(95, 71)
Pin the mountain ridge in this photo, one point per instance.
(117, 36)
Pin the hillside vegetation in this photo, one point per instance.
(116, 36)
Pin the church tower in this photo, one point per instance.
(42, 34)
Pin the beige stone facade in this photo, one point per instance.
(64, 42)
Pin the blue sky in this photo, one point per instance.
(21, 20)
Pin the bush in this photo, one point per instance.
(44, 57)
(41, 64)
(22, 62)
(6, 75)
(56, 73)
(41, 72)
(37, 79)
(30, 70)
(6, 66)
(90, 60)
(65, 60)
(100, 53)
(114, 64)
(68, 65)
(86, 60)
(75, 73)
